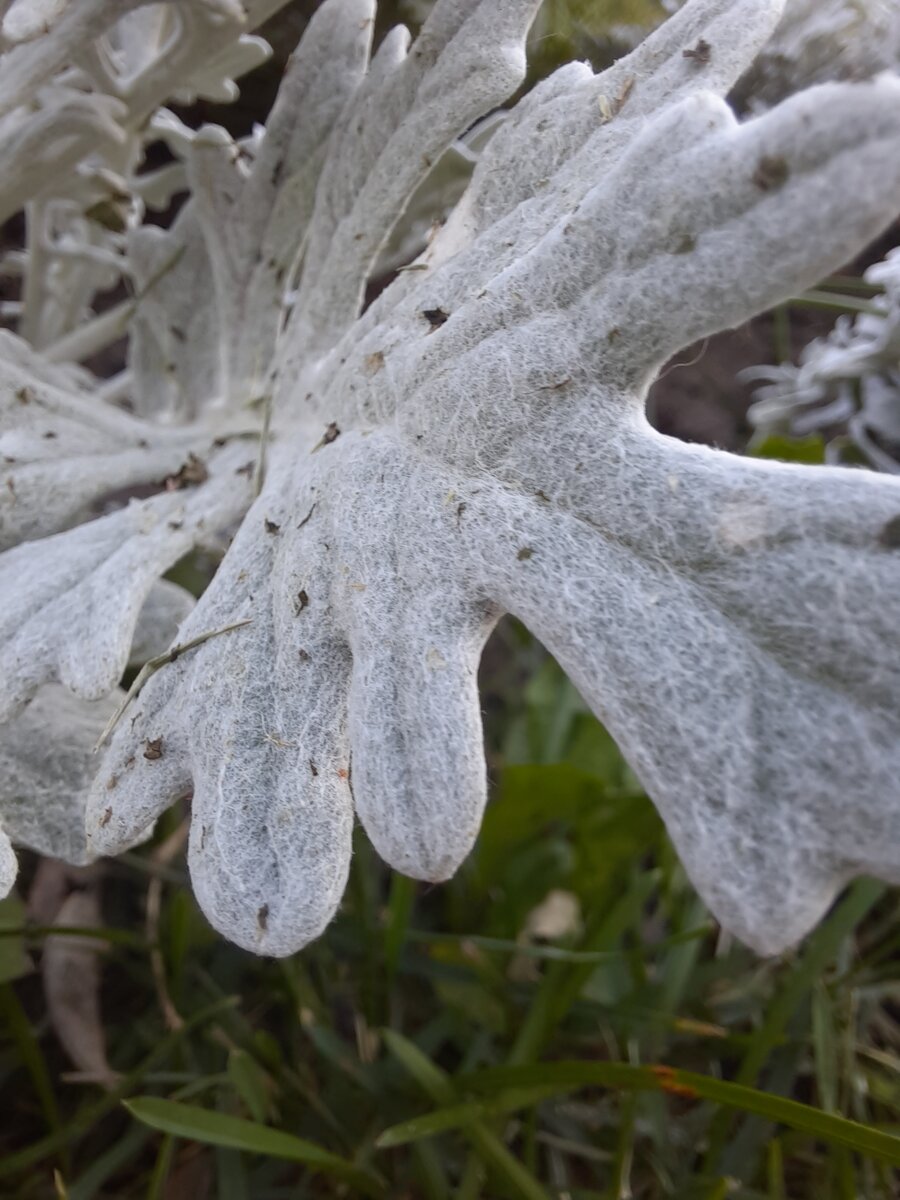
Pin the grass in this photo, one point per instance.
(443, 1042)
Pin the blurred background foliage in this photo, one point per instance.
(588, 29)
(147, 1058)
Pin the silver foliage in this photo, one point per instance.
(820, 40)
(47, 767)
(847, 385)
(471, 444)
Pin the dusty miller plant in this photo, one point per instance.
(820, 40)
(846, 386)
(397, 477)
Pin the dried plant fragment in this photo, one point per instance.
(70, 969)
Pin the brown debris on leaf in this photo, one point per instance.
(771, 173)
(331, 434)
(435, 317)
(153, 748)
(192, 473)
(699, 54)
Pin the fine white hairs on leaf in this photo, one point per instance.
(46, 768)
(846, 386)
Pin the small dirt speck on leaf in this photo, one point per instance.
(192, 473)
(771, 173)
(435, 317)
(153, 748)
(699, 54)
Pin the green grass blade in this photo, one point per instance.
(14, 960)
(457, 1115)
(569, 1076)
(13, 1016)
(88, 1116)
(438, 1085)
(231, 1178)
(831, 302)
(563, 982)
(399, 910)
(196, 1124)
(159, 1179)
(825, 1050)
(821, 949)
(620, 1184)
(102, 1169)
(431, 1079)
(249, 1081)
(775, 1170)
(506, 1165)
(430, 1172)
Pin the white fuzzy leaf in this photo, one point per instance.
(846, 383)
(63, 454)
(485, 451)
(208, 29)
(46, 766)
(38, 147)
(174, 351)
(207, 330)
(413, 103)
(205, 41)
(254, 219)
(820, 40)
(473, 444)
(215, 81)
(578, 107)
(9, 868)
(27, 19)
(69, 604)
